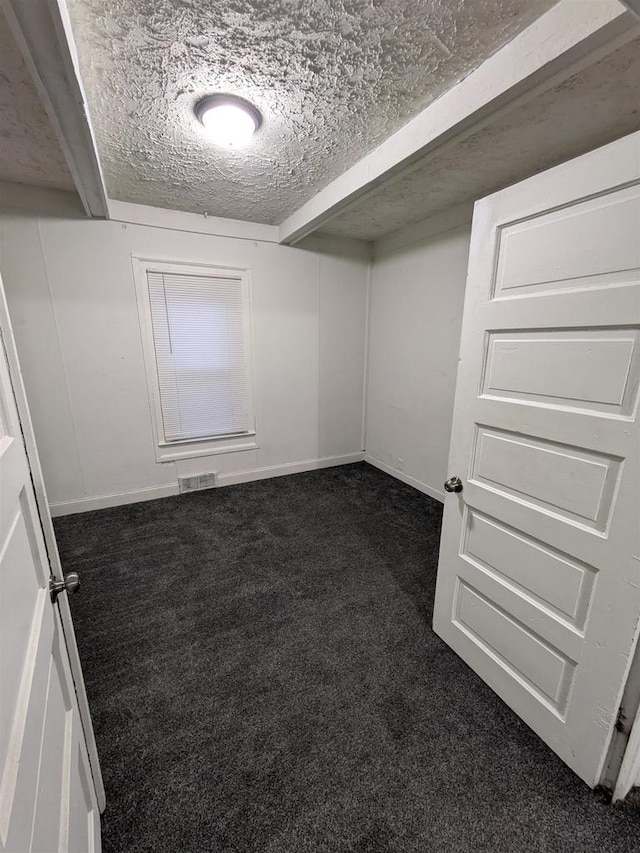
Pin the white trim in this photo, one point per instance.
(171, 451)
(196, 449)
(152, 492)
(43, 33)
(557, 45)
(148, 493)
(628, 769)
(436, 494)
(629, 775)
(288, 468)
(194, 223)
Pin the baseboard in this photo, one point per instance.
(288, 468)
(119, 499)
(410, 481)
(152, 492)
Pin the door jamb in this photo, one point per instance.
(622, 769)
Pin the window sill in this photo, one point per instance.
(212, 447)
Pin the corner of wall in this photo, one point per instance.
(416, 286)
(38, 201)
(365, 373)
(425, 229)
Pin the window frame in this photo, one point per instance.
(168, 451)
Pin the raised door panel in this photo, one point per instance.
(565, 481)
(587, 243)
(26, 627)
(529, 658)
(594, 370)
(561, 584)
(21, 588)
(51, 813)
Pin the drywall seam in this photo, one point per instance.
(67, 388)
(365, 372)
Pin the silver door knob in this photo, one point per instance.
(70, 584)
(453, 484)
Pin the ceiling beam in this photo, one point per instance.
(42, 31)
(553, 48)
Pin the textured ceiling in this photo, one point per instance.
(29, 150)
(594, 107)
(333, 78)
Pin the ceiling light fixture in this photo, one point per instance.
(229, 120)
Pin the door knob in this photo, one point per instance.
(70, 583)
(453, 484)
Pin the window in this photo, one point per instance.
(196, 325)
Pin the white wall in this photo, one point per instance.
(71, 294)
(417, 294)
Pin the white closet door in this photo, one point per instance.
(47, 796)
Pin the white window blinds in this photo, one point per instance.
(198, 324)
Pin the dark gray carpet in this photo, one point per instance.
(263, 677)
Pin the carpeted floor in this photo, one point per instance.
(263, 677)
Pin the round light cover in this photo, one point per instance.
(228, 120)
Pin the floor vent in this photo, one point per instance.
(197, 482)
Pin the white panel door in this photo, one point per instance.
(47, 796)
(539, 576)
